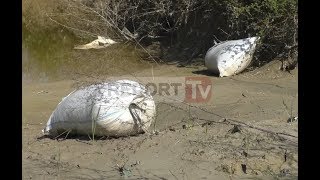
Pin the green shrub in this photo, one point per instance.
(187, 28)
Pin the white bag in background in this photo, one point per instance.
(119, 108)
(230, 57)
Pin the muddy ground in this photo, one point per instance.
(198, 141)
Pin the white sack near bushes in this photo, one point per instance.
(118, 108)
(230, 57)
(99, 43)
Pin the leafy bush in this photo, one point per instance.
(187, 28)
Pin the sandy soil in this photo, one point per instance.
(186, 147)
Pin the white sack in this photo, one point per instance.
(119, 108)
(99, 43)
(230, 57)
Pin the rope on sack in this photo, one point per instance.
(136, 118)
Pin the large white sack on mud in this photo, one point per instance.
(119, 108)
(230, 57)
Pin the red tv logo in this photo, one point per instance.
(198, 89)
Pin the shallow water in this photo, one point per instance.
(51, 56)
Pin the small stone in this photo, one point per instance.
(235, 129)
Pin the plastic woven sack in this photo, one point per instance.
(230, 57)
(119, 108)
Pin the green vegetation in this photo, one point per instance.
(184, 28)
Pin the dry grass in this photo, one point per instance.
(174, 24)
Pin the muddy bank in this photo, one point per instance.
(187, 146)
(242, 132)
